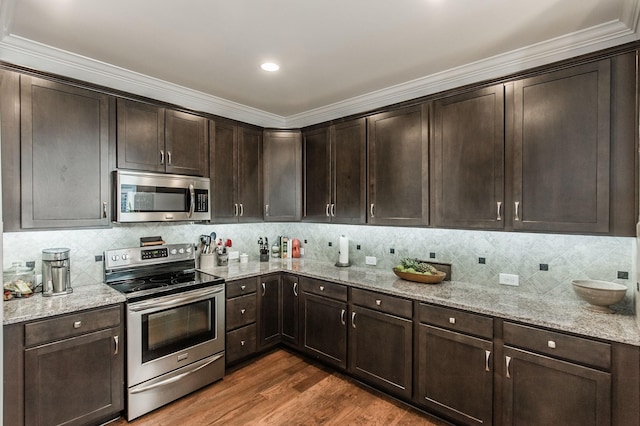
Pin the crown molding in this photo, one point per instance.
(27, 53)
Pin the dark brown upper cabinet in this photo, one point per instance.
(64, 155)
(562, 150)
(282, 175)
(398, 167)
(335, 173)
(468, 160)
(152, 138)
(235, 161)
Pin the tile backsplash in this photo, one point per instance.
(566, 257)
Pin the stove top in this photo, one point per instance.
(143, 273)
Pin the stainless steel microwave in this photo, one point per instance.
(157, 197)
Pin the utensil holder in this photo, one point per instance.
(207, 261)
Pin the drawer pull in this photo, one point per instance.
(353, 319)
(551, 344)
(242, 311)
(452, 320)
(342, 316)
(378, 302)
(243, 287)
(508, 363)
(77, 324)
(116, 340)
(487, 355)
(295, 289)
(321, 288)
(241, 342)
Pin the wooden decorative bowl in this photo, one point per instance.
(421, 278)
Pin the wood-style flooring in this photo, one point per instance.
(281, 388)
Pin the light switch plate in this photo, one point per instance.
(510, 279)
(371, 260)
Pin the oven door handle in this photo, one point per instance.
(194, 296)
(176, 378)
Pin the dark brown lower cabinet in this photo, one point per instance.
(323, 321)
(269, 311)
(380, 350)
(539, 390)
(455, 375)
(290, 309)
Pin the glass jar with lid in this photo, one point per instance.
(19, 280)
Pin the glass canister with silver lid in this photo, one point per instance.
(56, 277)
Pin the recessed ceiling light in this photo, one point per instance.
(270, 66)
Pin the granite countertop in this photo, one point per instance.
(566, 314)
(83, 297)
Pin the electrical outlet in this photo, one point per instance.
(371, 260)
(510, 279)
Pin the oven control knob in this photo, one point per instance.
(174, 251)
(188, 249)
(181, 251)
(125, 256)
(115, 257)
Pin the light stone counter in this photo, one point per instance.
(83, 297)
(565, 314)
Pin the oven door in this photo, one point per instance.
(169, 332)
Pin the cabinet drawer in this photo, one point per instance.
(241, 311)
(382, 302)
(323, 288)
(559, 345)
(241, 343)
(240, 287)
(455, 320)
(63, 327)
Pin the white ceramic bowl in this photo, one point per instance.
(600, 294)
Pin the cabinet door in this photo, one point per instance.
(349, 170)
(185, 143)
(324, 329)
(290, 309)
(562, 150)
(63, 385)
(317, 175)
(249, 175)
(468, 160)
(455, 375)
(539, 390)
(140, 136)
(282, 175)
(270, 311)
(398, 167)
(65, 168)
(380, 350)
(223, 161)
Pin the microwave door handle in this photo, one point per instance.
(192, 204)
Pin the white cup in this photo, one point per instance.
(207, 261)
(244, 258)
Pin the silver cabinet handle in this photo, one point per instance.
(295, 289)
(116, 340)
(104, 209)
(372, 210)
(499, 203)
(242, 342)
(487, 355)
(77, 324)
(264, 288)
(342, 317)
(241, 209)
(327, 211)
(353, 319)
(508, 363)
(333, 210)
(242, 311)
(161, 156)
(266, 209)
(169, 158)
(378, 302)
(242, 287)
(452, 320)
(321, 288)
(551, 344)
(517, 215)
(235, 209)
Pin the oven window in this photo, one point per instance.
(176, 329)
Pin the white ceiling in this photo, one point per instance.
(337, 57)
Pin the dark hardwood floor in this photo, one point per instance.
(281, 388)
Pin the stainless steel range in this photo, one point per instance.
(175, 323)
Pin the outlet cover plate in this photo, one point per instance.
(510, 279)
(371, 260)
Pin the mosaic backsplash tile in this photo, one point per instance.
(567, 256)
